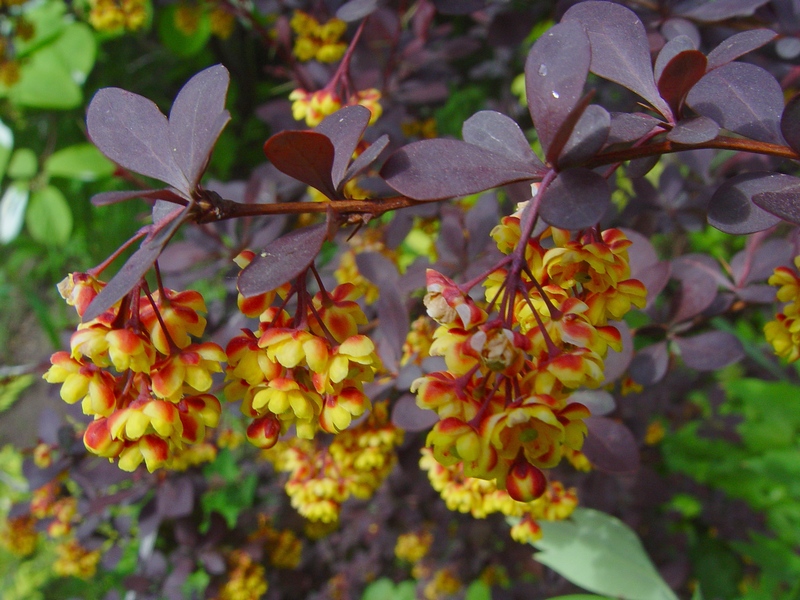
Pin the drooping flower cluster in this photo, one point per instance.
(504, 400)
(355, 464)
(138, 372)
(306, 371)
(784, 332)
(480, 498)
(114, 15)
(74, 560)
(317, 41)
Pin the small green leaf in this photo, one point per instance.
(48, 21)
(178, 41)
(601, 554)
(77, 49)
(384, 589)
(23, 164)
(83, 162)
(478, 590)
(49, 218)
(45, 82)
(11, 388)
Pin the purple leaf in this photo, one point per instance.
(649, 365)
(410, 417)
(577, 198)
(680, 74)
(376, 267)
(733, 207)
(610, 446)
(495, 132)
(197, 118)
(629, 127)
(670, 50)
(675, 26)
(758, 294)
(694, 131)
(479, 222)
(555, 72)
(355, 10)
(599, 402)
(282, 260)
(344, 129)
(620, 50)
(365, 159)
(742, 98)
(588, 136)
(104, 198)
(135, 267)
(308, 156)
(617, 363)
(175, 498)
(458, 7)
(711, 350)
(718, 10)
(790, 123)
(441, 168)
(784, 203)
(393, 318)
(131, 131)
(700, 278)
(739, 45)
(757, 264)
(639, 167)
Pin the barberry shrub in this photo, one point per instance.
(395, 326)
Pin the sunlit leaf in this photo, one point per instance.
(82, 162)
(500, 134)
(12, 211)
(49, 218)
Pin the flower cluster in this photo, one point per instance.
(412, 547)
(355, 464)
(306, 371)
(284, 549)
(480, 498)
(317, 41)
(76, 561)
(246, 579)
(113, 15)
(504, 400)
(784, 332)
(136, 370)
(313, 107)
(19, 536)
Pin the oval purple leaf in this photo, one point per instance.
(344, 129)
(588, 136)
(610, 446)
(197, 118)
(441, 168)
(739, 45)
(364, 160)
(282, 260)
(694, 131)
(680, 74)
(700, 278)
(355, 10)
(131, 130)
(555, 73)
(649, 365)
(305, 155)
(710, 351)
(790, 123)
(500, 134)
(733, 209)
(410, 417)
(629, 127)
(577, 199)
(620, 50)
(671, 49)
(742, 98)
(784, 203)
(719, 10)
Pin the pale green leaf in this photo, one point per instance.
(83, 162)
(48, 20)
(45, 82)
(49, 218)
(23, 164)
(77, 48)
(179, 41)
(384, 589)
(12, 211)
(601, 554)
(478, 590)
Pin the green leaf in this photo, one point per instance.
(23, 164)
(601, 554)
(179, 41)
(384, 589)
(45, 82)
(83, 162)
(77, 49)
(12, 210)
(49, 218)
(11, 388)
(478, 590)
(48, 21)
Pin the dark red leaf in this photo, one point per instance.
(718, 10)
(135, 267)
(410, 417)
(711, 350)
(355, 10)
(790, 123)
(495, 132)
(197, 118)
(104, 198)
(393, 318)
(671, 49)
(344, 129)
(282, 260)
(700, 278)
(629, 127)
(738, 45)
(617, 363)
(733, 207)
(307, 156)
(620, 50)
(610, 446)
(694, 131)
(649, 365)
(577, 198)
(742, 98)
(364, 160)
(680, 74)
(132, 131)
(555, 72)
(757, 263)
(588, 136)
(442, 168)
